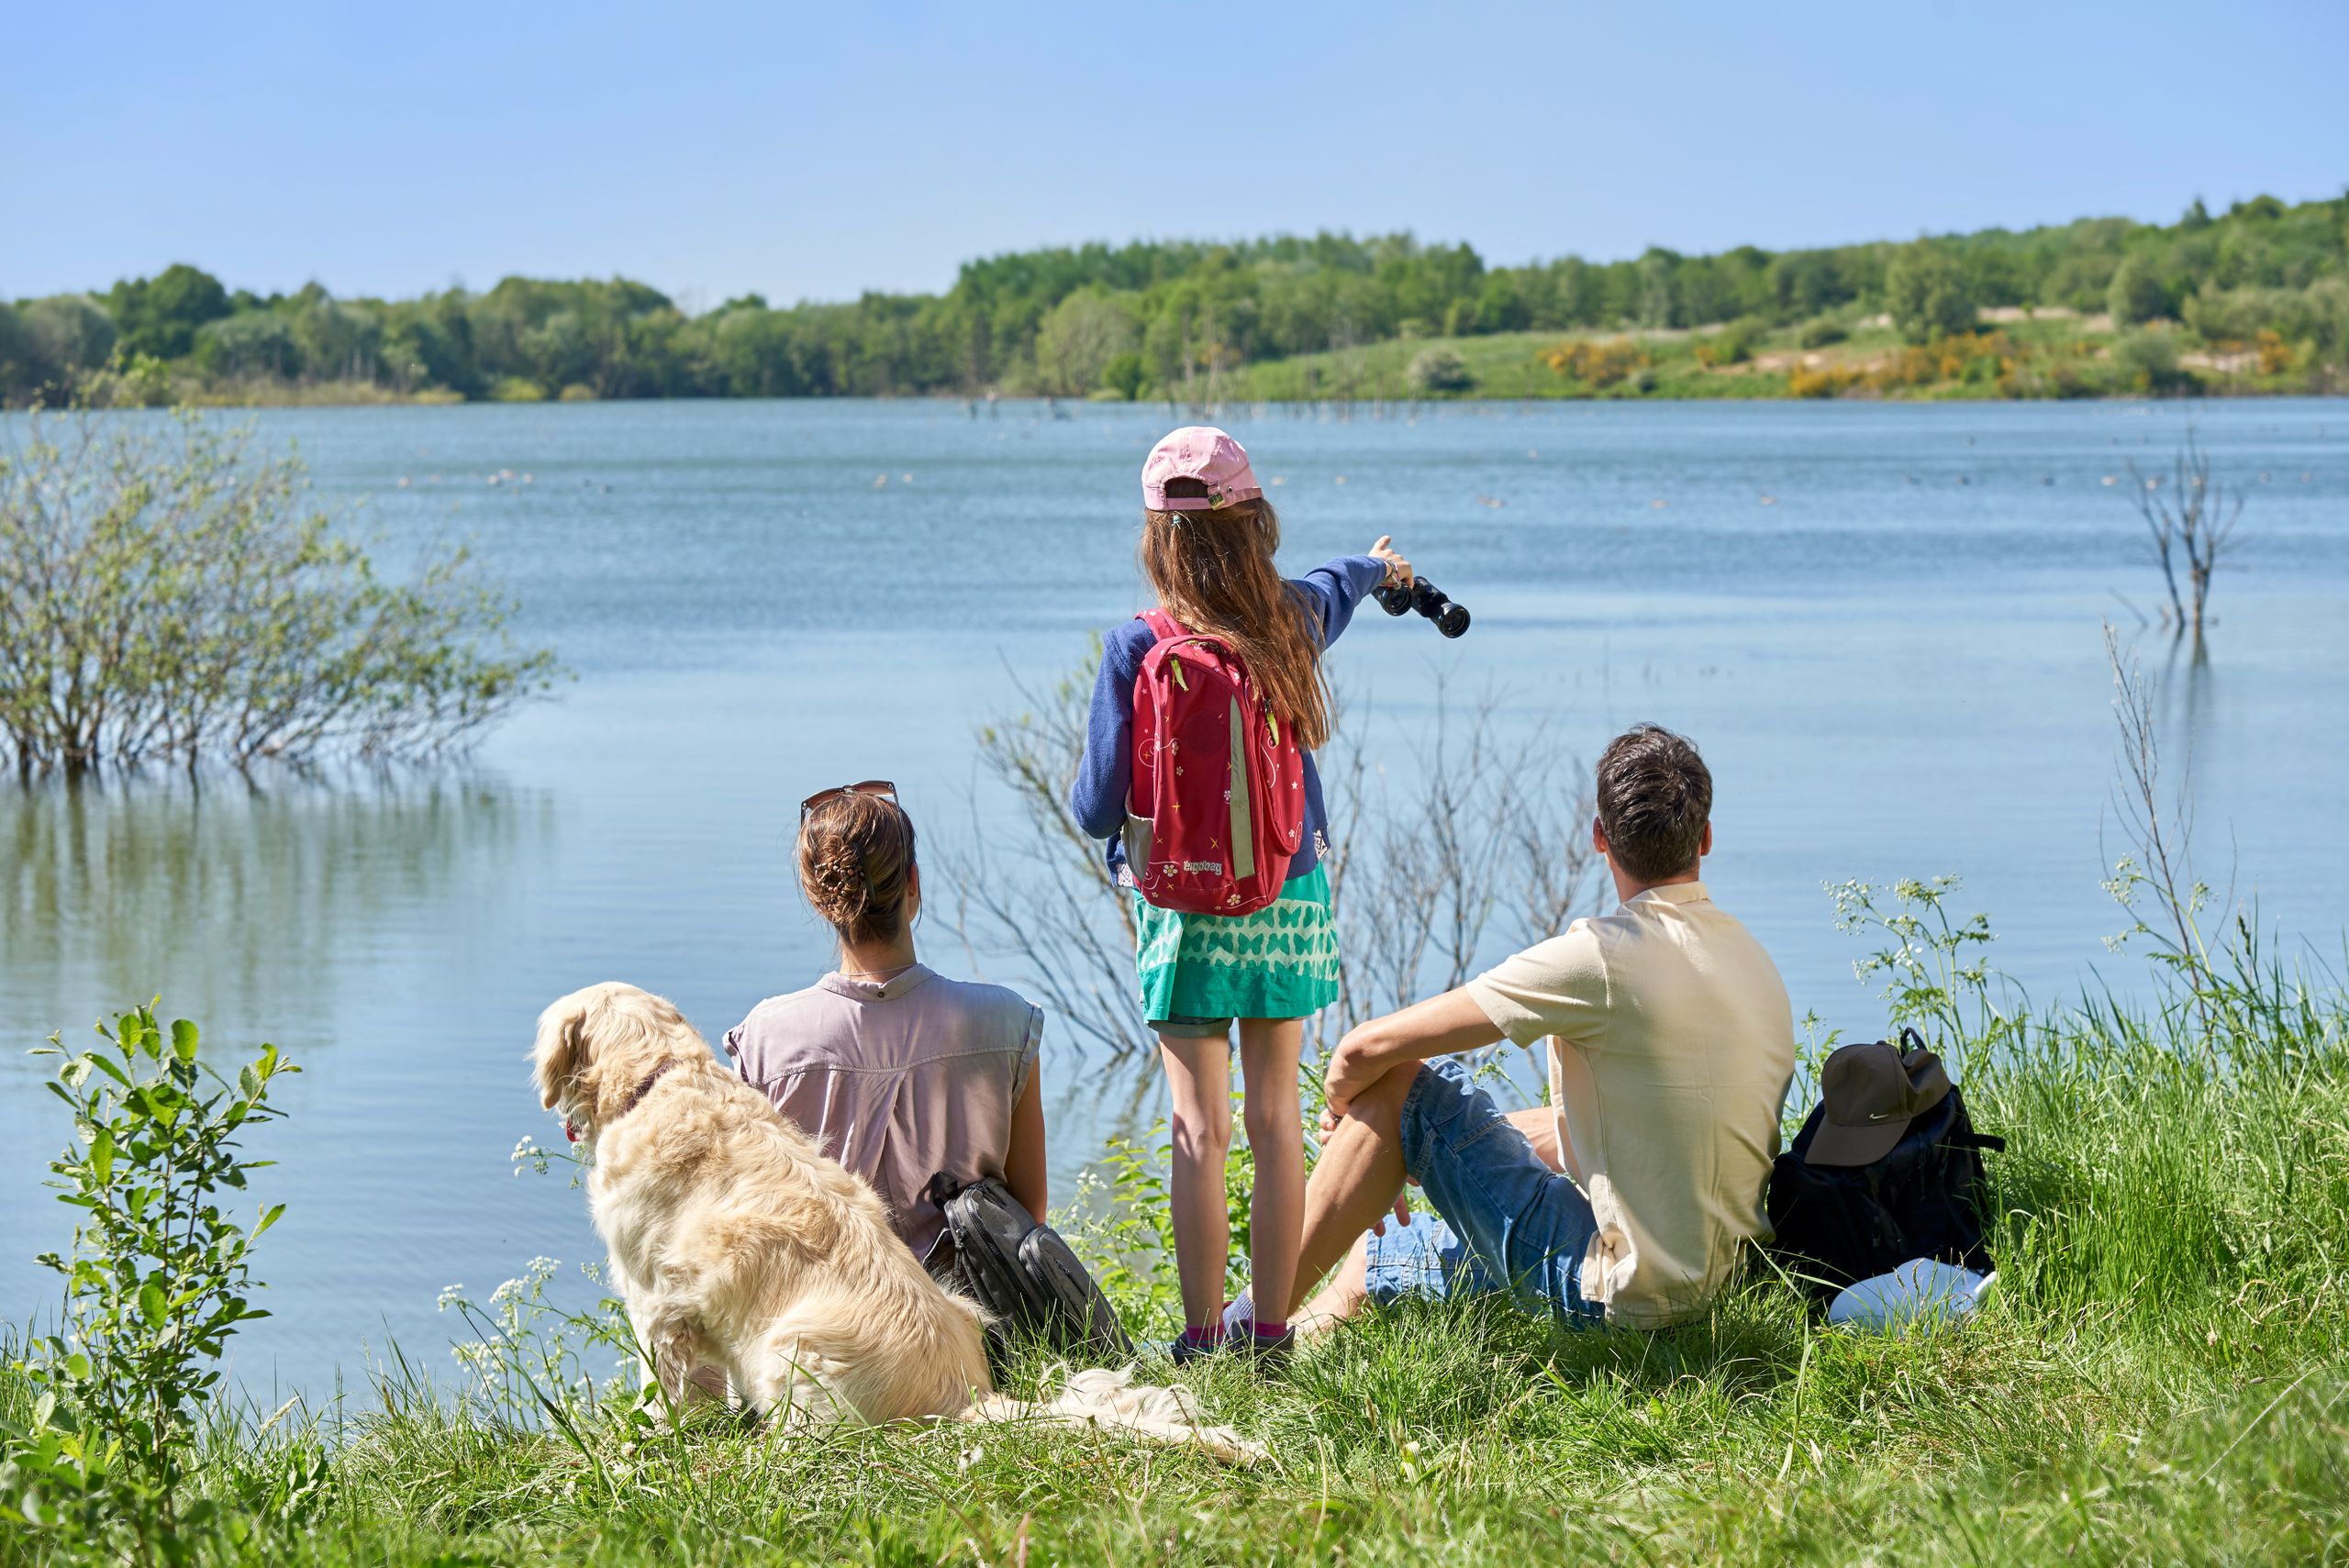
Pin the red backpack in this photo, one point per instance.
(1218, 809)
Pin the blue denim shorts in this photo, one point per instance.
(1503, 1221)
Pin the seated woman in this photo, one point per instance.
(897, 1071)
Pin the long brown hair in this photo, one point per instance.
(856, 852)
(1214, 573)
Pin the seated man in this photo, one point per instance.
(1631, 1196)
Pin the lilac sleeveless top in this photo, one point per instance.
(898, 1079)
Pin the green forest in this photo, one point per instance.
(2253, 299)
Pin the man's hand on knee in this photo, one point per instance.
(1375, 1101)
(1372, 1051)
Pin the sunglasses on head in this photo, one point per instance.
(882, 787)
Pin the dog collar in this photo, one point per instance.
(642, 1089)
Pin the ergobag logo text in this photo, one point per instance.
(1218, 806)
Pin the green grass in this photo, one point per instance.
(2160, 1377)
(2070, 358)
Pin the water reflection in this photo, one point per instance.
(328, 913)
(240, 896)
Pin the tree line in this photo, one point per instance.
(1150, 318)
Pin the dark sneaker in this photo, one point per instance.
(1267, 1354)
(1183, 1352)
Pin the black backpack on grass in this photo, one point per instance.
(1020, 1271)
(1923, 1197)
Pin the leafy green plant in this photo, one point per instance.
(156, 1282)
(1935, 976)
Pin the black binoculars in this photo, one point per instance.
(1428, 599)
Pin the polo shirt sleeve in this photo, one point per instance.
(1554, 987)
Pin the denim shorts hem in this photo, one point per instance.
(1498, 1184)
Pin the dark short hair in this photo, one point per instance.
(1655, 796)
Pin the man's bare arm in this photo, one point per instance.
(1440, 1026)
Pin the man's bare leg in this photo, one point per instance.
(1355, 1182)
(1361, 1143)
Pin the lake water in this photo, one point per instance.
(1881, 622)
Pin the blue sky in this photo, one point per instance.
(813, 152)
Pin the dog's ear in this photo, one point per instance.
(561, 1048)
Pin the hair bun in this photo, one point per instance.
(836, 883)
(856, 854)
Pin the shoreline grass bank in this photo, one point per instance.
(2162, 1375)
(2010, 356)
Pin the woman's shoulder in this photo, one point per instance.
(789, 1004)
(782, 1018)
(994, 1003)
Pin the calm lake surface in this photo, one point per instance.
(1881, 622)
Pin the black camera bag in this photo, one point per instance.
(1925, 1199)
(1020, 1271)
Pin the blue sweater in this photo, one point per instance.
(1105, 778)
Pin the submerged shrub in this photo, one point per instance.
(166, 594)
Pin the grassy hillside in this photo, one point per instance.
(2055, 353)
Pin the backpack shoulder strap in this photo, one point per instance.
(1162, 625)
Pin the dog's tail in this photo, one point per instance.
(1113, 1401)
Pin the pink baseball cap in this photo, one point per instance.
(1203, 453)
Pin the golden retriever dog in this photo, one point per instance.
(740, 1247)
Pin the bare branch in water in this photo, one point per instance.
(2192, 523)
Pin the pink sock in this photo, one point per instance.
(1200, 1336)
(1271, 1330)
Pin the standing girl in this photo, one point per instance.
(1208, 541)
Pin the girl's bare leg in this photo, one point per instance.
(1199, 1071)
(1268, 1053)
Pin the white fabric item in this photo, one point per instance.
(1098, 1397)
(1919, 1292)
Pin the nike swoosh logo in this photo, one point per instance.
(1882, 1116)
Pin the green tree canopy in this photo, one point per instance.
(159, 315)
(1927, 295)
(2136, 293)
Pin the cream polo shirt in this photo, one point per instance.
(1672, 1045)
